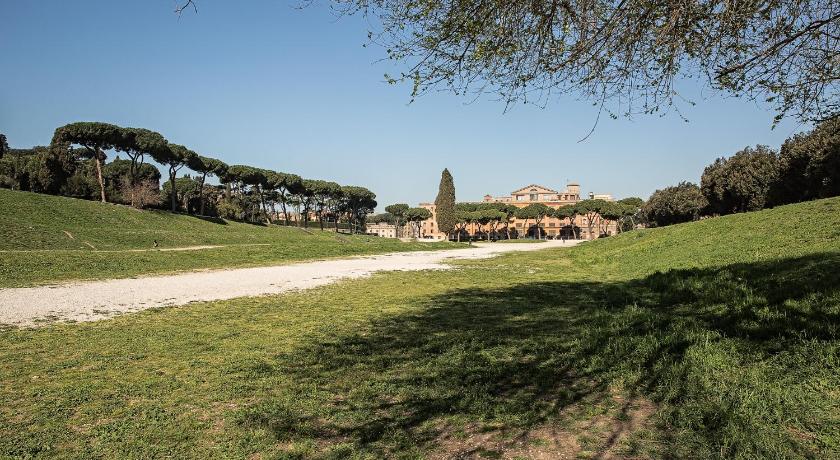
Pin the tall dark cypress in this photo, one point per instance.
(445, 203)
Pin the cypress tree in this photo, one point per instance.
(445, 203)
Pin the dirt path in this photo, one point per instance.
(95, 300)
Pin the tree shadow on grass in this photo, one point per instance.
(509, 361)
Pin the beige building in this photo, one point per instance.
(383, 229)
(549, 227)
(386, 230)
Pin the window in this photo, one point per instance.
(551, 224)
(519, 224)
(520, 197)
(534, 197)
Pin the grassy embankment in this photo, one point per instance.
(45, 239)
(712, 339)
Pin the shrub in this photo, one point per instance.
(741, 182)
(672, 205)
(809, 165)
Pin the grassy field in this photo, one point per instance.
(46, 238)
(715, 339)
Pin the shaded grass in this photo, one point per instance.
(46, 239)
(734, 353)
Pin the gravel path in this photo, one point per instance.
(95, 300)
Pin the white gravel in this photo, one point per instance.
(96, 300)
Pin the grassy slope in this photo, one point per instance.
(37, 249)
(711, 339)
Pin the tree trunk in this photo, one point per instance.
(173, 196)
(132, 171)
(132, 177)
(321, 218)
(285, 212)
(98, 161)
(264, 207)
(201, 195)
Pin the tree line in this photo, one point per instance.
(75, 164)
(492, 220)
(806, 167)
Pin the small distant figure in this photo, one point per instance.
(156, 243)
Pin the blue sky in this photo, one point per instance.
(294, 90)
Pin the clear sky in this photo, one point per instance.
(294, 90)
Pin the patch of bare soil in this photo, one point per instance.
(574, 435)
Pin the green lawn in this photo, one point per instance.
(704, 340)
(45, 239)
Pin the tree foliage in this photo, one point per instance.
(591, 211)
(397, 211)
(322, 191)
(630, 53)
(358, 202)
(4, 145)
(490, 215)
(383, 218)
(568, 212)
(809, 165)
(286, 185)
(39, 169)
(96, 138)
(416, 216)
(445, 204)
(118, 178)
(672, 205)
(741, 182)
(535, 211)
(174, 157)
(246, 192)
(139, 143)
(610, 212)
(205, 166)
(633, 201)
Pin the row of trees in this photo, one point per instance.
(492, 220)
(75, 164)
(806, 167)
(400, 215)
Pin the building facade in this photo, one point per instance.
(550, 227)
(389, 230)
(383, 229)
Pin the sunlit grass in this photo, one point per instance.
(713, 339)
(45, 239)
